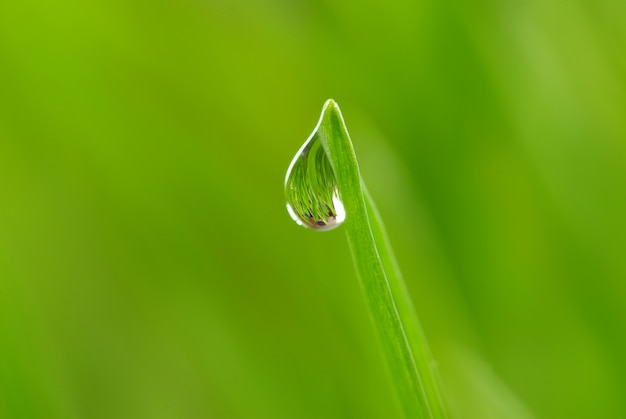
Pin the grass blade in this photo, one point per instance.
(403, 343)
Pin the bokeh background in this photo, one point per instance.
(148, 268)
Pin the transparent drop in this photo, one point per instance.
(311, 188)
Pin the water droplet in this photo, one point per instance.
(311, 188)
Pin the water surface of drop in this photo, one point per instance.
(311, 188)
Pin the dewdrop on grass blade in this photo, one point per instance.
(313, 191)
(311, 188)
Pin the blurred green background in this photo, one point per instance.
(149, 269)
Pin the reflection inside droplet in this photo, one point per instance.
(311, 189)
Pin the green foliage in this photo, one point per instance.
(406, 350)
(148, 270)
